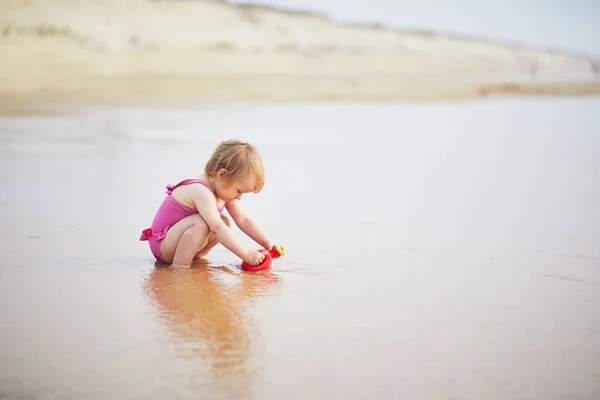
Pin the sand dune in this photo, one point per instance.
(68, 48)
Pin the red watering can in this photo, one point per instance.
(275, 252)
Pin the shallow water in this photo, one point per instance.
(433, 251)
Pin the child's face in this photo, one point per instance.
(227, 191)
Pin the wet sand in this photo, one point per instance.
(442, 250)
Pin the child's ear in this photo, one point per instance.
(221, 173)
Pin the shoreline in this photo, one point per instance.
(155, 89)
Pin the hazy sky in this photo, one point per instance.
(563, 24)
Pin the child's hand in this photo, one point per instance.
(254, 257)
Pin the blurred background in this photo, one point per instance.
(557, 24)
(295, 50)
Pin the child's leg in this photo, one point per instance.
(212, 241)
(183, 240)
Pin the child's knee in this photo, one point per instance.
(198, 232)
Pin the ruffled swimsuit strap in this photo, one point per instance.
(170, 188)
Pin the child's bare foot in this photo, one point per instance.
(200, 255)
(179, 266)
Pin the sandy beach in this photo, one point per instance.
(473, 273)
(438, 198)
(180, 51)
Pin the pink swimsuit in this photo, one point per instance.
(169, 213)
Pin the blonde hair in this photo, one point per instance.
(240, 160)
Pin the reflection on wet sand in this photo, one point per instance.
(207, 308)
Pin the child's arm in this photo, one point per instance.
(207, 208)
(247, 225)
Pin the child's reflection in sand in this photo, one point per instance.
(208, 307)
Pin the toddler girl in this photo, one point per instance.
(189, 222)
